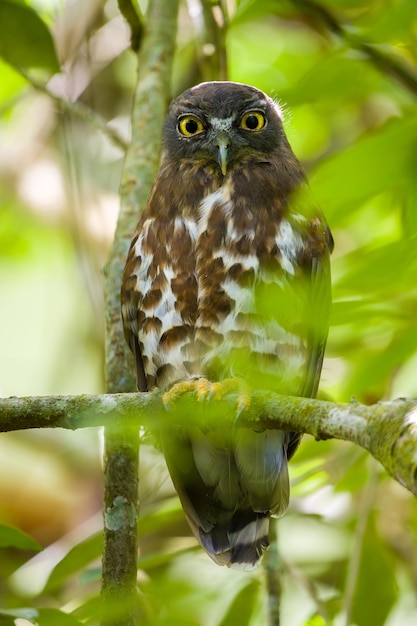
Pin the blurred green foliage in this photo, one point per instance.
(26, 40)
(345, 72)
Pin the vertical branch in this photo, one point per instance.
(121, 445)
(224, 66)
(214, 34)
(273, 570)
(210, 24)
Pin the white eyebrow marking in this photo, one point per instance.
(222, 123)
(278, 109)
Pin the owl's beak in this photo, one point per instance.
(223, 143)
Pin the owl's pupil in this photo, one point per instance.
(191, 127)
(252, 122)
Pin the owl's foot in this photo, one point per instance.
(231, 385)
(200, 386)
(206, 390)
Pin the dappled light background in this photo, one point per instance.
(349, 539)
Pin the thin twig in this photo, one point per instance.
(273, 571)
(78, 109)
(132, 17)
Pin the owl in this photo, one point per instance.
(227, 285)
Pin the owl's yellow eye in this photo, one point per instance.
(253, 120)
(190, 125)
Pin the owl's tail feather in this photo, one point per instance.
(248, 539)
(241, 543)
(229, 488)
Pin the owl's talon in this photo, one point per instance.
(217, 391)
(207, 391)
(199, 386)
(202, 387)
(243, 404)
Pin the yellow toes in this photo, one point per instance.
(200, 386)
(206, 390)
(176, 391)
(203, 388)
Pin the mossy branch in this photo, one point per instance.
(388, 430)
(121, 454)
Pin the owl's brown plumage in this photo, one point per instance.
(228, 276)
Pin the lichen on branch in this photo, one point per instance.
(388, 430)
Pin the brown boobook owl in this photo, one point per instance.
(228, 278)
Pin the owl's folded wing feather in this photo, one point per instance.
(317, 317)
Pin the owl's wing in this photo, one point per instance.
(316, 323)
(317, 316)
(130, 302)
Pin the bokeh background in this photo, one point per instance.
(345, 72)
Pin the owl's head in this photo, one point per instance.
(223, 122)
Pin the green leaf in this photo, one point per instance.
(383, 160)
(348, 78)
(52, 617)
(25, 40)
(316, 620)
(389, 270)
(152, 561)
(362, 311)
(92, 575)
(165, 514)
(14, 538)
(241, 609)
(376, 587)
(12, 85)
(393, 25)
(374, 371)
(90, 549)
(77, 559)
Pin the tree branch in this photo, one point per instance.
(142, 160)
(134, 19)
(121, 454)
(215, 66)
(388, 430)
(273, 574)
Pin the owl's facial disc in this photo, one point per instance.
(222, 125)
(225, 139)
